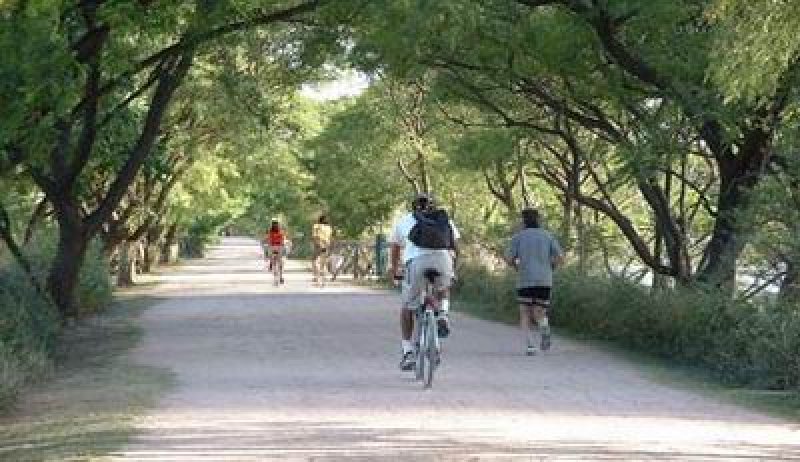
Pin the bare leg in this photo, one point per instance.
(407, 326)
(407, 323)
(322, 264)
(525, 324)
(444, 299)
(315, 268)
(540, 315)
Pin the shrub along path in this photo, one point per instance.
(301, 372)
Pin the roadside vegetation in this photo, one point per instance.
(695, 337)
(94, 390)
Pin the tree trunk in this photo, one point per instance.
(66, 266)
(718, 267)
(127, 265)
(790, 286)
(739, 173)
(581, 239)
(37, 216)
(168, 244)
(151, 250)
(659, 280)
(567, 227)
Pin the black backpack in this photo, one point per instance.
(432, 230)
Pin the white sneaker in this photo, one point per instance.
(546, 341)
(530, 351)
(407, 363)
(443, 325)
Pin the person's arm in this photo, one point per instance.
(394, 259)
(512, 254)
(396, 243)
(556, 254)
(456, 236)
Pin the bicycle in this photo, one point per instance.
(276, 265)
(426, 335)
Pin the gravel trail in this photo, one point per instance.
(302, 373)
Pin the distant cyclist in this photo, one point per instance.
(534, 253)
(275, 243)
(321, 234)
(417, 256)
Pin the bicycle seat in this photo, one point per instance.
(431, 274)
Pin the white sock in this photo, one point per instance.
(445, 305)
(529, 338)
(544, 325)
(406, 345)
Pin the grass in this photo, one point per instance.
(86, 409)
(783, 404)
(778, 403)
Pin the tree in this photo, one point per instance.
(613, 69)
(354, 164)
(52, 131)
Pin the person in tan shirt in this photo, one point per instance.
(321, 234)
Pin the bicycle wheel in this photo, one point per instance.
(419, 365)
(430, 351)
(276, 271)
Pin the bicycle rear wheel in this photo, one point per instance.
(419, 365)
(430, 352)
(276, 271)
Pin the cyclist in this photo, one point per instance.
(321, 233)
(275, 242)
(534, 253)
(416, 259)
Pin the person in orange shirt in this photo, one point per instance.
(274, 243)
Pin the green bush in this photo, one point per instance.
(741, 343)
(28, 327)
(491, 293)
(202, 233)
(94, 285)
(93, 292)
(29, 324)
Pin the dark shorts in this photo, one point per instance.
(534, 296)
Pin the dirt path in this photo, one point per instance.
(302, 373)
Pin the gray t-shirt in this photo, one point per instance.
(535, 249)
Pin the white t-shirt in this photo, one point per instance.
(400, 233)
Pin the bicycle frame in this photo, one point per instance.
(426, 336)
(276, 260)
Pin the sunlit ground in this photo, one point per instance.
(418, 433)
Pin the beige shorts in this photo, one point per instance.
(414, 280)
(318, 251)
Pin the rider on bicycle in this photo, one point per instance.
(416, 259)
(275, 242)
